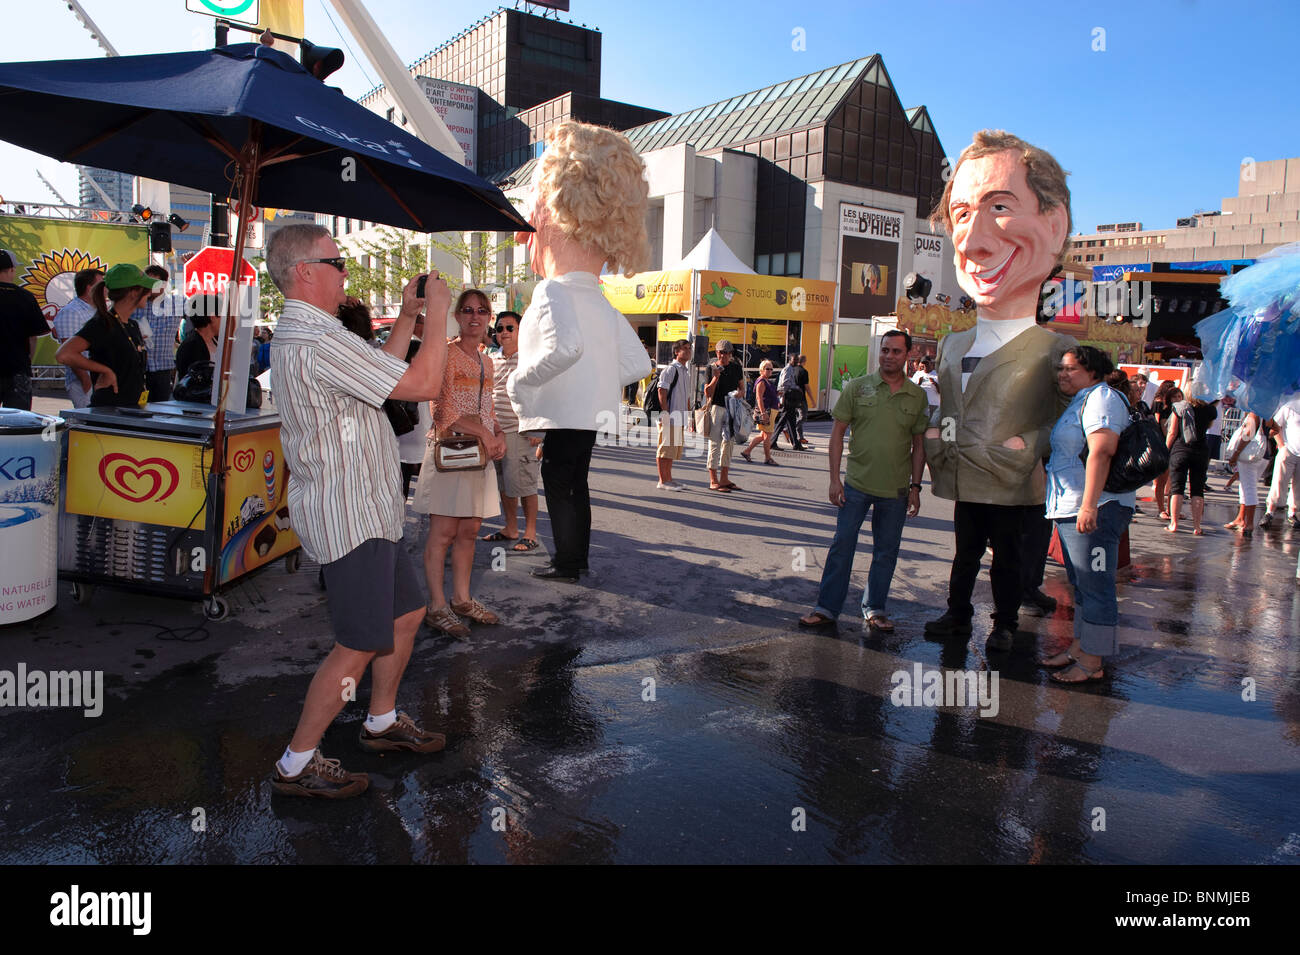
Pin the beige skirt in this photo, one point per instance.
(456, 493)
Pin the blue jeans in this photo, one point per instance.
(887, 516)
(1091, 561)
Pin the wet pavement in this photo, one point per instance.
(667, 709)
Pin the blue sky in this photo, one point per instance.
(1151, 127)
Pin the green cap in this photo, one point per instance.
(125, 275)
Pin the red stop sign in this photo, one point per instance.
(208, 272)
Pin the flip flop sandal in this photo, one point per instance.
(880, 622)
(525, 544)
(1089, 677)
(745, 455)
(1069, 661)
(498, 536)
(720, 487)
(729, 486)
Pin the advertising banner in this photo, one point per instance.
(457, 105)
(929, 252)
(715, 332)
(649, 293)
(788, 298)
(136, 479)
(1113, 273)
(50, 252)
(673, 329)
(766, 334)
(255, 523)
(869, 254)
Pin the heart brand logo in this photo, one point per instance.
(244, 459)
(153, 479)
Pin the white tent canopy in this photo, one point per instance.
(714, 254)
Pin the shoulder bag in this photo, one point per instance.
(462, 452)
(1141, 455)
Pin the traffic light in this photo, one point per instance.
(319, 61)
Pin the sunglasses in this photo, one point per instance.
(339, 262)
(504, 328)
(470, 310)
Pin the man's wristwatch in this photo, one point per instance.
(914, 485)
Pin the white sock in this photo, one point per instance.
(291, 763)
(377, 724)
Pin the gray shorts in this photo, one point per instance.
(519, 470)
(366, 590)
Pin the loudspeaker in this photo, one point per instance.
(160, 236)
(701, 353)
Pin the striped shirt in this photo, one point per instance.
(164, 314)
(345, 485)
(66, 324)
(501, 369)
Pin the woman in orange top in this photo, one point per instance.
(457, 501)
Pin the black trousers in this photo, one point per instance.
(160, 384)
(788, 418)
(1035, 542)
(566, 458)
(977, 526)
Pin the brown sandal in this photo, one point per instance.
(476, 612)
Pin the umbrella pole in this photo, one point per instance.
(249, 165)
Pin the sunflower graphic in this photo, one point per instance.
(50, 277)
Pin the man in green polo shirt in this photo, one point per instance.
(888, 415)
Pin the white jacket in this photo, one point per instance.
(576, 353)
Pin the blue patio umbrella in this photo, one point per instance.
(241, 116)
(244, 121)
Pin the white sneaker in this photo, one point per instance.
(670, 486)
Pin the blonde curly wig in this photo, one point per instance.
(593, 185)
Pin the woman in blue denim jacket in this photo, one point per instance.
(1089, 520)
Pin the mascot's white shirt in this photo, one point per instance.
(991, 334)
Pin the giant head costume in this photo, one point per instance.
(1007, 208)
(589, 203)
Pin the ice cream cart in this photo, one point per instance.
(141, 507)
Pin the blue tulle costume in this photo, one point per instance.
(1252, 348)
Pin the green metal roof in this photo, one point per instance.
(803, 101)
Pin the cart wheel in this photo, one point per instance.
(81, 593)
(216, 608)
(292, 562)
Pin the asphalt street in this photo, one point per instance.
(667, 708)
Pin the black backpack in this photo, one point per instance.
(1141, 455)
(650, 403)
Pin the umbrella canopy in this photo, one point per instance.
(188, 117)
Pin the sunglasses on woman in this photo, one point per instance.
(470, 310)
(504, 328)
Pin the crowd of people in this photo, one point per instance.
(1017, 425)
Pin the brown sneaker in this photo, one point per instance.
(445, 620)
(402, 735)
(322, 778)
(476, 612)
